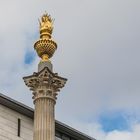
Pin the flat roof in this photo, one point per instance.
(29, 112)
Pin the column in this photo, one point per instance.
(45, 86)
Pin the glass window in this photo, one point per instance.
(65, 137)
(56, 138)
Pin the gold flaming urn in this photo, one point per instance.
(45, 46)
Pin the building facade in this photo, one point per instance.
(16, 123)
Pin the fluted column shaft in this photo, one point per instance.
(44, 120)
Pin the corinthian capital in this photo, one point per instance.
(45, 83)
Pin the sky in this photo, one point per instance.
(98, 52)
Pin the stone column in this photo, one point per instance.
(45, 86)
(44, 128)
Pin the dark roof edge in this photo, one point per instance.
(15, 102)
(72, 131)
(29, 112)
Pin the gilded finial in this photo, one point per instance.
(46, 26)
(45, 46)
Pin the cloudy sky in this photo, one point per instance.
(98, 51)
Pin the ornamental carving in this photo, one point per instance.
(45, 84)
(45, 46)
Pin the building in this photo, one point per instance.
(16, 123)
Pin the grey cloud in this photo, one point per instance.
(98, 51)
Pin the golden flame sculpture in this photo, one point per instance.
(45, 46)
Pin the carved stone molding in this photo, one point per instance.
(45, 84)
